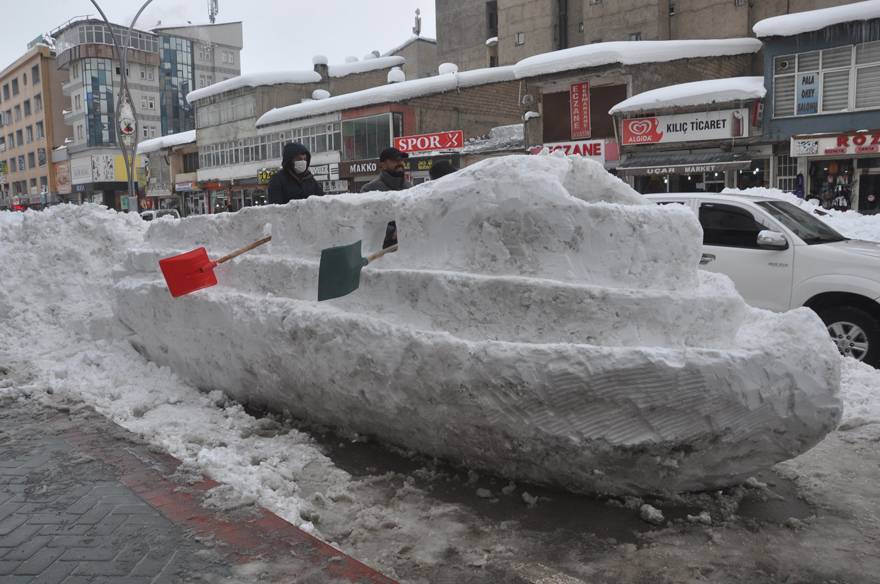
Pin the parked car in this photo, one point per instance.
(156, 213)
(781, 257)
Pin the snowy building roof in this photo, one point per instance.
(388, 94)
(407, 43)
(168, 141)
(293, 77)
(630, 53)
(253, 80)
(365, 66)
(812, 20)
(500, 138)
(696, 93)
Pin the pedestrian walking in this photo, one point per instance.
(294, 181)
(391, 172)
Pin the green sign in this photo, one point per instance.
(4, 167)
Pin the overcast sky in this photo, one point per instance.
(278, 34)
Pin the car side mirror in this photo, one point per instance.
(772, 240)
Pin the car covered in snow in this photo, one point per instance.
(781, 257)
(159, 213)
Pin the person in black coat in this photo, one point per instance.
(293, 181)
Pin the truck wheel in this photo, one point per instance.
(855, 331)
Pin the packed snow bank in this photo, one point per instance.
(812, 20)
(541, 320)
(851, 224)
(168, 141)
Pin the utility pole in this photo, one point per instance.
(126, 116)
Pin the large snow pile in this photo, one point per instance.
(541, 320)
(851, 224)
(812, 20)
(695, 93)
(169, 141)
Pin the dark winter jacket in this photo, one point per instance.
(386, 182)
(286, 185)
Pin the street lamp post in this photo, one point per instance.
(127, 125)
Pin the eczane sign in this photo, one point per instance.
(450, 140)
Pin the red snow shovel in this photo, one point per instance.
(193, 270)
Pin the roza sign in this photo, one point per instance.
(451, 140)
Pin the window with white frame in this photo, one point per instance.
(786, 173)
(828, 81)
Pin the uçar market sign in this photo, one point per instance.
(836, 144)
(718, 125)
(451, 140)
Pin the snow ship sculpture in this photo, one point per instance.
(541, 320)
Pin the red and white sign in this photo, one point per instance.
(598, 150)
(579, 99)
(719, 125)
(451, 140)
(836, 145)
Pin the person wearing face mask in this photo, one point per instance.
(293, 181)
(391, 172)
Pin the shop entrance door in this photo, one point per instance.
(869, 193)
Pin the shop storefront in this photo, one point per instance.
(701, 151)
(842, 171)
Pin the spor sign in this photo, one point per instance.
(451, 140)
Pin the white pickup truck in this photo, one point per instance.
(781, 257)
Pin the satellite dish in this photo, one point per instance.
(528, 100)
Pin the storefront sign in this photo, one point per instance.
(807, 94)
(836, 145)
(359, 168)
(579, 99)
(184, 187)
(594, 149)
(426, 164)
(334, 186)
(720, 125)
(264, 175)
(438, 141)
(326, 172)
(62, 177)
(682, 168)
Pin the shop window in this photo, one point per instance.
(831, 183)
(520, 39)
(835, 91)
(728, 226)
(752, 177)
(868, 87)
(786, 173)
(365, 138)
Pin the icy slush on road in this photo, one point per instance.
(541, 320)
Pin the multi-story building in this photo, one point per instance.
(822, 73)
(487, 33)
(194, 57)
(85, 52)
(433, 117)
(232, 156)
(31, 126)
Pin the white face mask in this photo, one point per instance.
(300, 166)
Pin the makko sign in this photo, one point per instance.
(359, 168)
(836, 144)
(718, 125)
(579, 100)
(438, 141)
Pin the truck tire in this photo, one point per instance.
(855, 331)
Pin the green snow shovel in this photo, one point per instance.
(340, 270)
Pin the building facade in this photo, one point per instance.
(31, 126)
(194, 57)
(823, 110)
(523, 28)
(85, 52)
(236, 161)
(445, 111)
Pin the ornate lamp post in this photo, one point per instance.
(126, 116)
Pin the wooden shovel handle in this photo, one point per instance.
(238, 252)
(379, 254)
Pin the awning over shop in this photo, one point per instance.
(682, 163)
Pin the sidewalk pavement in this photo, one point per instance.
(83, 501)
